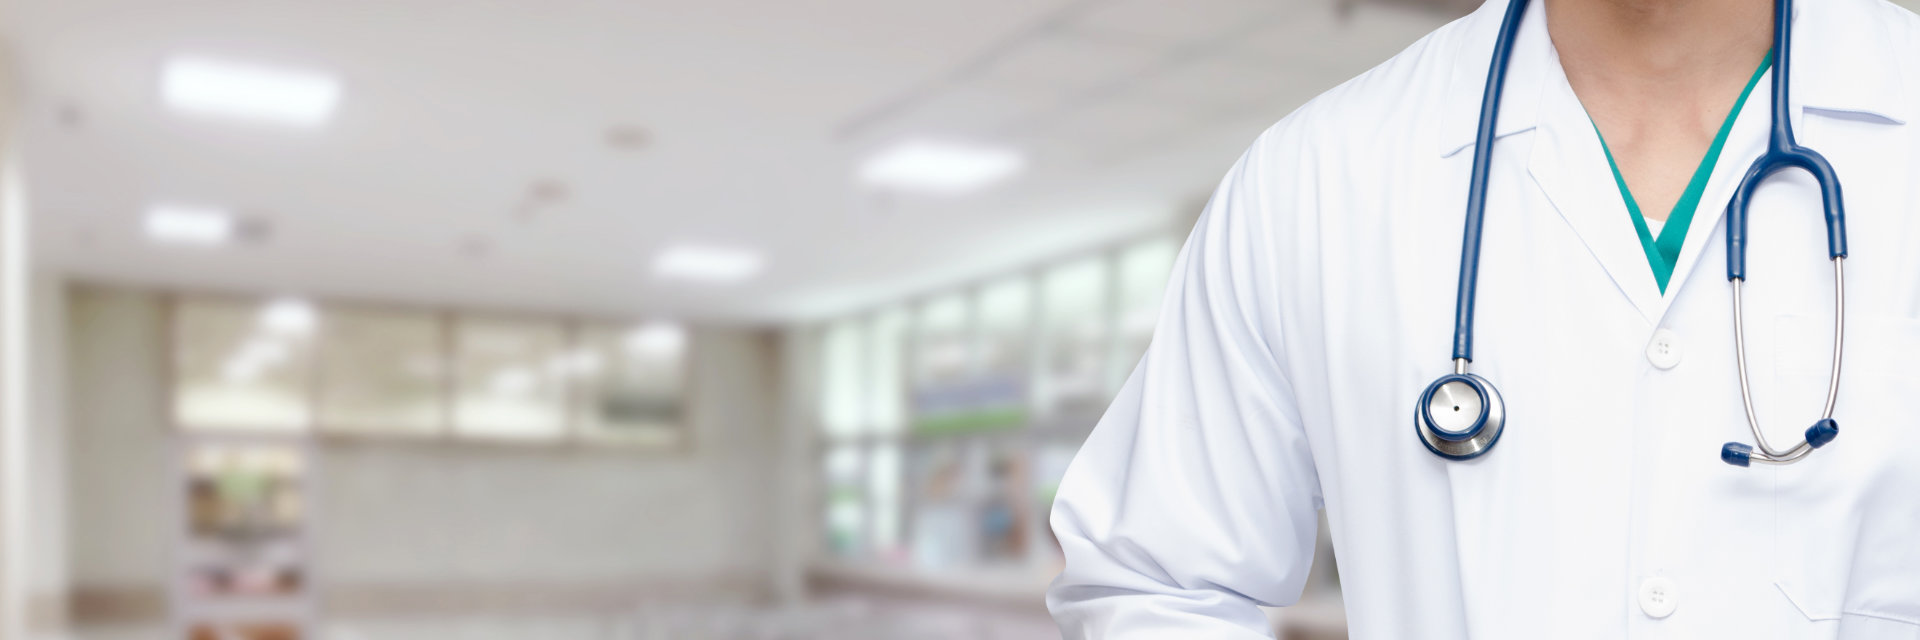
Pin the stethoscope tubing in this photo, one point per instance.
(1477, 182)
(1478, 437)
(1782, 153)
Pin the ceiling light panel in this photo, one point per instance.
(189, 226)
(289, 317)
(254, 93)
(940, 167)
(657, 339)
(706, 263)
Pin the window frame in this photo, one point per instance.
(572, 437)
(1043, 427)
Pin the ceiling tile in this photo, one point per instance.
(1102, 129)
(1065, 65)
(1215, 84)
(1177, 23)
(1349, 42)
(966, 109)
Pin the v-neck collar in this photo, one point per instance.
(1663, 251)
(1845, 75)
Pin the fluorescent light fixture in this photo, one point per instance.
(940, 167)
(194, 226)
(705, 263)
(289, 317)
(656, 339)
(249, 92)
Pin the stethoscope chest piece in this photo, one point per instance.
(1460, 416)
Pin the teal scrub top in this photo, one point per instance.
(1663, 251)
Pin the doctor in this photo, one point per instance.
(1329, 287)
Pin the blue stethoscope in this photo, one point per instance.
(1460, 416)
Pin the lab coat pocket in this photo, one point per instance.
(1847, 517)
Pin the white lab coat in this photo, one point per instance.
(1314, 302)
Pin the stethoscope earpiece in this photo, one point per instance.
(1740, 454)
(1822, 432)
(1736, 454)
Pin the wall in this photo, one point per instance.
(46, 542)
(429, 527)
(395, 516)
(15, 421)
(117, 443)
(797, 467)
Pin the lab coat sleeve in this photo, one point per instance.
(1196, 499)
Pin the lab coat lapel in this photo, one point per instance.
(1467, 79)
(1571, 169)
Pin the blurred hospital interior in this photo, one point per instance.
(597, 319)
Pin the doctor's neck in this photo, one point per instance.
(1676, 44)
(1658, 77)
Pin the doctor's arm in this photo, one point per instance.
(1195, 499)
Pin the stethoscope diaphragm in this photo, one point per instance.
(1460, 416)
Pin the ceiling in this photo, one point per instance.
(469, 165)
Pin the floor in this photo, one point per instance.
(842, 620)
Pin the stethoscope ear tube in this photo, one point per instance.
(1822, 431)
(1782, 154)
(1775, 161)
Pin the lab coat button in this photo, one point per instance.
(1658, 597)
(1664, 350)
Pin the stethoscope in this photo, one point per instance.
(1461, 415)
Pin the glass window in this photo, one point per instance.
(505, 386)
(972, 362)
(243, 366)
(845, 504)
(942, 353)
(887, 393)
(1006, 321)
(630, 381)
(948, 383)
(946, 506)
(1073, 328)
(1050, 460)
(884, 481)
(382, 371)
(1144, 270)
(841, 383)
(1006, 511)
